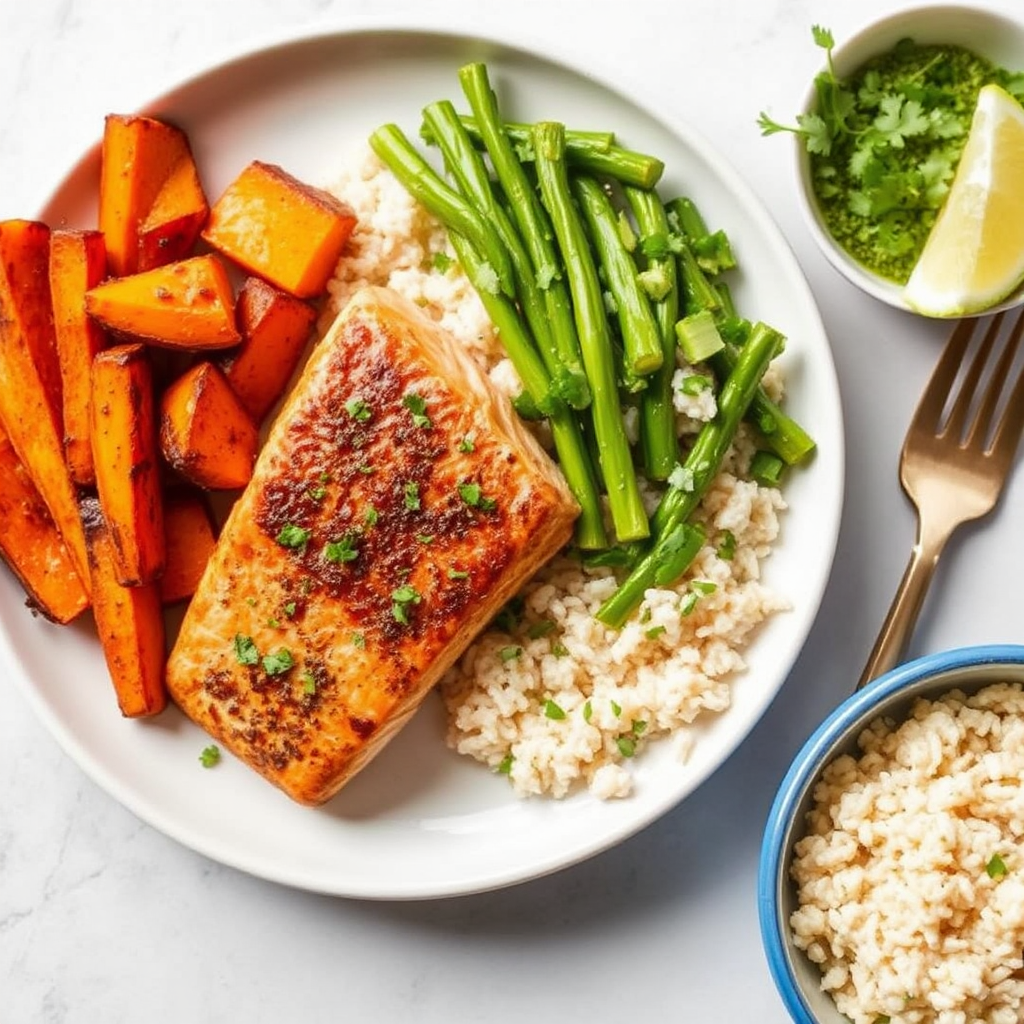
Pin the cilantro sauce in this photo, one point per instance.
(903, 119)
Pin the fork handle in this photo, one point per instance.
(899, 623)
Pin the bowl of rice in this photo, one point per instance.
(891, 879)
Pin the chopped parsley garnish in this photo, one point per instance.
(416, 404)
(343, 550)
(401, 599)
(552, 710)
(412, 496)
(727, 546)
(996, 867)
(457, 574)
(442, 262)
(308, 682)
(245, 650)
(538, 629)
(616, 708)
(317, 493)
(371, 516)
(425, 538)
(359, 640)
(467, 444)
(473, 495)
(559, 650)
(358, 410)
(639, 725)
(292, 536)
(278, 662)
(505, 767)
(289, 609)
(210, 756)
(509, 653)
(273, 623)
(588, 711)
(626, 745)
(366, 469)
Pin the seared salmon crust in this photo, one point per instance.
(397, 504)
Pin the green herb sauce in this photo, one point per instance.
(905, 115)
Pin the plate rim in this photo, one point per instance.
(591, 68)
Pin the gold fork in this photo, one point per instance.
(957, 455)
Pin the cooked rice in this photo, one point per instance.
(901, 903)
(555, 699)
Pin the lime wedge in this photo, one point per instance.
(974, 255)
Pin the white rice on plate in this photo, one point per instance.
(911, 873)
(554, 699)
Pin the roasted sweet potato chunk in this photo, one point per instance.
(124, 439)
(189, 304)
(191, 538)
(78, 262)
(151, 203)
(30, 389)
(280, 228)
(205, 432)
(32, 546)
(275, 327)
(129, 621)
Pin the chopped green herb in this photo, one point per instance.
(457, 574)
(639, 725)
(559, 650)
(273, 623)
(401, 599)
(588, 711)
(358, 410)
(538, 629)
(412, 496)
(626, 745)
(695, 384)
(616, 709)
(654, 632)
(292, 536)
(703, 586)
(688, 603)
(552, 710)
(306, 586)
(289, 609)
(417, 405)
(645, 614)
(505, 767)
(425, 538)
(308, 682)
(727, 546)
(473, 496)
(996, 867)
(245, 650)
(509, 653)
(317, 493)
(371, 516)
(251, 602)
(467, 444)
(210, 756)
(442, 262)
(358, 640)
(278, 662)
(366, 469)
(343, 550)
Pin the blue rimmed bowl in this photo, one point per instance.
(968, 669)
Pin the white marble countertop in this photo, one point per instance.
(103, 918)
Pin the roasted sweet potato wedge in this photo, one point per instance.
(188, 304)
(32, 546)
(129, 621)
(148, 193)
(30, 389)
(170, 228)
(125, 450)
(275, 328)
(205, 432)
(280, 228)
(191, 537)
(78, 262)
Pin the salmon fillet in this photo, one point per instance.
(397, 504)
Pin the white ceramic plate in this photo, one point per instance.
(420, 821)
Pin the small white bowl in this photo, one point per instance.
(990, 35)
